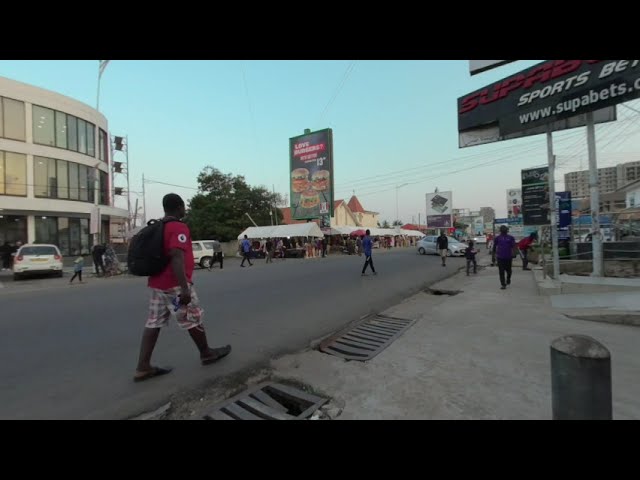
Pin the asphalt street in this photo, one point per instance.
(70, 351)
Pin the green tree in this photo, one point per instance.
(397, 223)
(219, 208)
(385, 224)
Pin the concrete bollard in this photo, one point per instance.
(580, 379)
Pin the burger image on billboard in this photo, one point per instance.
(300, 180)
(320, 180)
(309, 199)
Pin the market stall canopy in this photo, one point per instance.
(309, 229)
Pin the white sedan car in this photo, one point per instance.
(37, 259)
(428, 245)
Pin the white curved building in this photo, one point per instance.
(52, 148)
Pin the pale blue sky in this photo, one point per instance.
(394, 122)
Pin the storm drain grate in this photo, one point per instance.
(368, 339)
(273, 401)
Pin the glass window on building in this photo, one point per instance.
(63, 179)
(91, 139)
(40, 177)
(105, 232)
(104, 188)
(43, 126)
(13, 229)
(1, 119)
(91, 184)
(74, 182)
(63, 236)
(47, 230)
(61, 130)
(52, 178)
(15, 124)
(72, 132)
(15, 174)
(74, 234)
(85, 243)
(82, 136)
(103, 145)
(83, 180)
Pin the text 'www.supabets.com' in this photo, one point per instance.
(573, 104)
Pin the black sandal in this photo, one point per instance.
(219, 353)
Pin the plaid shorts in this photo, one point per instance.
(161, 309)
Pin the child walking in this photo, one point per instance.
(78, 265)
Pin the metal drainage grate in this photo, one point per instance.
(272, 401)
(368, 339)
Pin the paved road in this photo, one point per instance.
(69, 352)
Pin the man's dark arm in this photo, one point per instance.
(177, 264)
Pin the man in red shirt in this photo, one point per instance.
(172, 292)
(523, 247)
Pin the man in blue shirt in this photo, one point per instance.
(246, 251)
(503, 248)
(367, 245)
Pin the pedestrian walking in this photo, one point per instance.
(524, 246)
(359, 245)
(98, 262)
(367, 245)
(504, 246)
(470, 254)
(217, 255)
(246, 251)
(5, 256)
(269, 251)
(172, 292)
(78, 265)
(443, 247)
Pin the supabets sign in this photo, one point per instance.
(550, 92)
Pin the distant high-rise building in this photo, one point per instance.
(610, 179)
(488, 214)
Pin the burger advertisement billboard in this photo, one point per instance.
(311, 173)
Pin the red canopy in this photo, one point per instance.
(358, 233)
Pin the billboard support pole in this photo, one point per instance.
(596, 235)
(554, 213)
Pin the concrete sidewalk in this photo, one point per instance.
(482, 354)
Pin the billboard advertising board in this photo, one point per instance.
(311, 175)
(536, 205)
(554, 94)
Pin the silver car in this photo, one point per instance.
(428, 245)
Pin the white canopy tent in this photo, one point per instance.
(309, 229)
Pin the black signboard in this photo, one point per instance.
(548, 92)
(535, 196)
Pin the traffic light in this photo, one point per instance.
(119, 142)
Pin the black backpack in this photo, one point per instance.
(146, 249)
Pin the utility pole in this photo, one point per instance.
(555, 254)
(273, 187)
(144, 202)
(596, 235)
